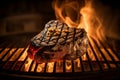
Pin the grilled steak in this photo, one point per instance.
(58, 42)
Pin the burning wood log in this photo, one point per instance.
(58, 42)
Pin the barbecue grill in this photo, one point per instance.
(100, 62)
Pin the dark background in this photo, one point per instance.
(12, 10)
(15, 7)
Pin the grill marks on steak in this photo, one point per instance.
(57, 42)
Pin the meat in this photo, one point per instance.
(57, 42)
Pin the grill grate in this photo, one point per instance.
(14, 60)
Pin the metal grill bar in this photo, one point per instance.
(30, 66)
(89, 62)
(114, 52)
(45, 67)
(16, 60)
(54, 70)
(97, 47)
(35, 69)
(64, 70)
(73, 67)
(109, 54)
(72, 62)
(4, 54)
(22, 65)
(81, 64)
(14, 65)
(94, 60)
(7, 61)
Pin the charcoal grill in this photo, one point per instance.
(100, 62)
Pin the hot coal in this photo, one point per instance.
(57, 42)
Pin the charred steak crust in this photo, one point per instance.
(56, 42)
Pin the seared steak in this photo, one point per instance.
(58, 42)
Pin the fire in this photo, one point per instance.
(76, 14)
(66, 12)
(79, 14)
(87, 14)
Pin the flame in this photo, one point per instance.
(87, 14)
(79, 14)
(90, 22)
(66, 12)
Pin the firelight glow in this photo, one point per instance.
(76, 16)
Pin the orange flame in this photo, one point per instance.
(67, 11)
(78, 14)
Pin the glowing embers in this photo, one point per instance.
(97, 58)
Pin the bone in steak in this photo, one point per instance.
(58, 42)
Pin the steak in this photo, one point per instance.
(57, 42)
